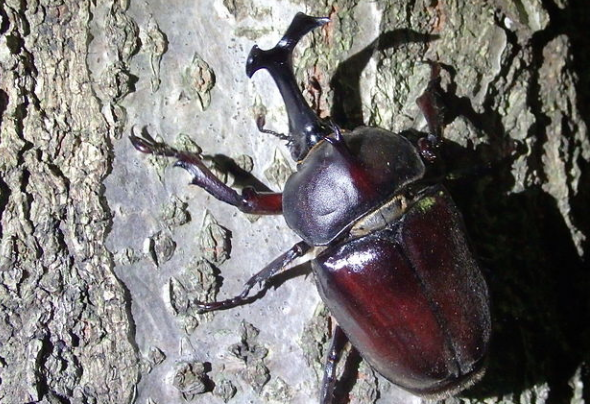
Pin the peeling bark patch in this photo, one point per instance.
(198, 282)
(277, 391)
(175, 213)
(564, 135)
(240, 9)
(214, 241)
(191, 379)
(118, 82)
(153, 358)
(365, 390)
(155, 44)
(252, 354)
(279, 170)
(122, 32)
(314, 340)
(198, 81)
(225, 390)
(160, 248)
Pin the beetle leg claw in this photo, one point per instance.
(149, 145)
(261, 279)
(250, 201)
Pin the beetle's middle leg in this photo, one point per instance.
(261, 278)
(250, 201)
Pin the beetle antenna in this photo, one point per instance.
(260, 121)
(305, 127)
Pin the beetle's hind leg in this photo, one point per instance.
(337, 345)
(261, 279)
(250, 201)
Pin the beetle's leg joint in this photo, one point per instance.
(261, 278)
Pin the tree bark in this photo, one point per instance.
(103, 250)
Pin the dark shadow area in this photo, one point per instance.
(242, 178)
(538, 288)
(4, 197)
(4, 21)
(349, 376)
(303, 269)
(3, 104)
(574, 22)
(347, 104)
(538, 282)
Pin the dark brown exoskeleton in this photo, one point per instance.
(392, 261)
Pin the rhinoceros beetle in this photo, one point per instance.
(392, 261)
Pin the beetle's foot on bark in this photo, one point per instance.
(241, 299)
(149, 145)
(203, 307)
(238, 300)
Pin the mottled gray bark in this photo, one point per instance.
(102, 250)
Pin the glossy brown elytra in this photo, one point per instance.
(391, 262)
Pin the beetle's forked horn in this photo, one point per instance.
(305, 127)
(283, 51)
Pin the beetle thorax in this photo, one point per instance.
(334, 186)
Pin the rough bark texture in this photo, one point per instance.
(102, 250)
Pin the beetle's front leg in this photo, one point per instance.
(261, 278)
(339, 340)
(250, 201)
